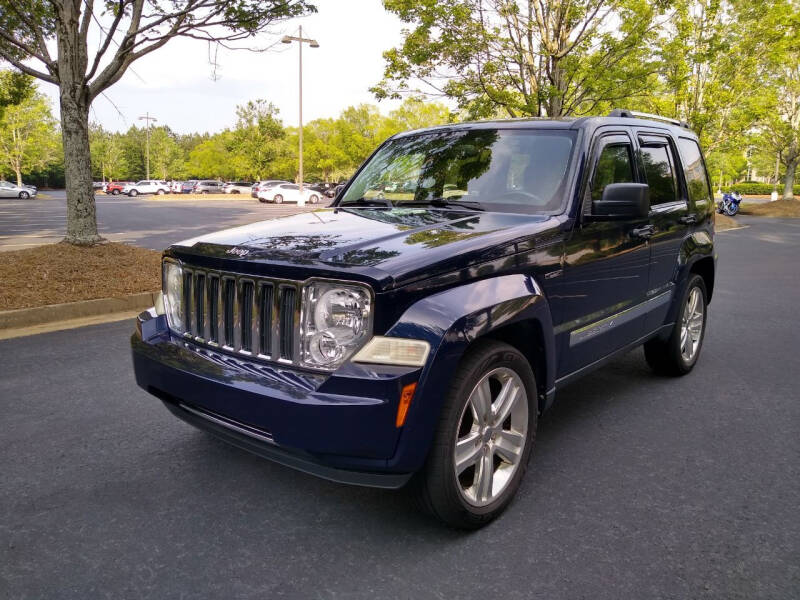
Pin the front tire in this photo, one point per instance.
(278, 199)
(160, 192)
(484, 438)
(133, 193)
(24, 195)
(678, 354)
(115, 192)
(313, 199)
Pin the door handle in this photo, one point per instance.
(644, 232)
(688, 219)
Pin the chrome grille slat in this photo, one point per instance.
(241, 314)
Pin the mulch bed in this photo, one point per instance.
(723, 222)
(780, 208)
(57, 273)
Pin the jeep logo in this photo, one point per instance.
(237, 251)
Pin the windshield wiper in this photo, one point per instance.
(445, 203)
(368, 202)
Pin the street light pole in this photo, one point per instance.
(147, 118)
(288, 39)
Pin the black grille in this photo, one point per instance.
(237, 313)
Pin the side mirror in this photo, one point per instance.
(622, 201)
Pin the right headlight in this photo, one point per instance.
(172, 290)
(337, 320)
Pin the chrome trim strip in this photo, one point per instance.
(592, 330)
(229, 424)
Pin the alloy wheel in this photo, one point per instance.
(692, 324)
(491, 438)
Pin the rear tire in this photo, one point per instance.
(24, 195)
(160, 192)
(497, 439)
(133, 193)
(115, 192)
(678, 354)
(278, 199)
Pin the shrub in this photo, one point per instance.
(753, 188)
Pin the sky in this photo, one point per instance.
(175, 83)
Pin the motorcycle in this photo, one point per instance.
(729, 205)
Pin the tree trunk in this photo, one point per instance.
(788, 180)
(18, 173)
(81, 210)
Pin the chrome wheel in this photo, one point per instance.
(692, 324)
(491, 438)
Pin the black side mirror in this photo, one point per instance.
(622, 201)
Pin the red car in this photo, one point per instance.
(115, 188)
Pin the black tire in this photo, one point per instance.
(204, 192)
(115, 192)
(133, 193)
(235, 192)
(664, 355)
(24, 195)
(160, 192)
(313, 199)
(277, 199)
(436, 486)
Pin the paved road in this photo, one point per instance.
(145, 221)
(639, 487)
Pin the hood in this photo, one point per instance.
(403, 243)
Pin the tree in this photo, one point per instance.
(213, 157)
(254, 139)
(14, 88)
(166, 157)
(28, 138)
(122, 31)
(107, 153)
(522, 57)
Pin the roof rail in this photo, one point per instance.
(635, 114)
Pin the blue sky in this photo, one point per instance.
(175, 83)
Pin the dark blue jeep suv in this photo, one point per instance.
(414, 331)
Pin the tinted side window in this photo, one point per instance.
(613, 166)
(695, 169)
(659, 173)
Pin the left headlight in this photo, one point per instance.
(336, 321)
(172, 290)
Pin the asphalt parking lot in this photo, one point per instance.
(148, 221)
(639, 486)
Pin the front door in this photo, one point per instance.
(604, 282)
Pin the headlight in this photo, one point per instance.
(337, 320)
(172, 286)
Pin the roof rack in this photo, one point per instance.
(635, 114)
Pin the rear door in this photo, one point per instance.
(669, 214)
(604, 280)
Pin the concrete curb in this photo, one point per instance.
(27, 317)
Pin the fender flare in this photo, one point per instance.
(450, 321)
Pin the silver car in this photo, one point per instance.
(208, 186)
(10, 190)
(237, 187)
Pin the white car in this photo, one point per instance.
(175, 187)
(146, 186)
(288, 192)
(10, 190)
(237, 187)
(263, 185)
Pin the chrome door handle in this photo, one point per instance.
(644, 232)
(687, 219)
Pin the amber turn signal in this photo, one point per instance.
(405, 401)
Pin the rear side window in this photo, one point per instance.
(660, 174)
(695, 170)
(613, 166)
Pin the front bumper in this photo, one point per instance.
(339, 426)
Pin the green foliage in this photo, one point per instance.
(254, 142)
(29, 137)
(757, 189)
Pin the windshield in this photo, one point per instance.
(485, 169)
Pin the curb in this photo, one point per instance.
(40, 315)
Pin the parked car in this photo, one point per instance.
(386, 342)
(175, 187)
(288, 192)
(208, 186)
(187, 187)
(98, 185)
(261, 185)
(327, 188)
(115, 187)
(12, 190)
(146, 186)
(237, 187)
